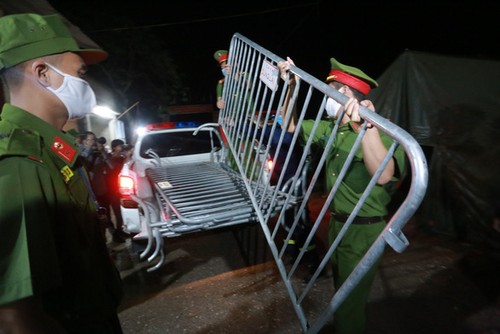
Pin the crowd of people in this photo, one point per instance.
(104, 165)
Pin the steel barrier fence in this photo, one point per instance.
(265, 156)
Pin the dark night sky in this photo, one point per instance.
(366, 34)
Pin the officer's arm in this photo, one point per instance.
(374, 150)
(220, 101)
(286, 109)
(27, 316)
(284, 67)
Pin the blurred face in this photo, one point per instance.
(128, 153)
(90, 141)
(333, 107)
(225, 68)
(117, 150)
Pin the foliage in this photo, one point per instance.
(139, 67)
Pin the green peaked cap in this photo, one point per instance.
(220, 56)
(28, 36)
(353, 71)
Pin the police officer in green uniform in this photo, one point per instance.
(220, 57)
(354, 83)
(56, 274)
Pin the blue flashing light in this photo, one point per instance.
(187, 124)
(171, 125)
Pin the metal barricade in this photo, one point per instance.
(253, 95)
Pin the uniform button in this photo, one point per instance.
(333, 174)
(337, 155)
(341, 133)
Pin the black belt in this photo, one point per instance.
(357, 220)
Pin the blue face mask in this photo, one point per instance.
(223, 71)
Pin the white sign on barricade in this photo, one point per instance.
(269, 75)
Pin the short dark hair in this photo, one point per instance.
(88, 133)
(116, 142)
(13, 76)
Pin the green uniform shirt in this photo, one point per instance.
(357, 177)
(219, 88)
(51, 246)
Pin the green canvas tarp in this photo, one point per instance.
(451, 105)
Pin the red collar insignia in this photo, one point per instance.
(63, 149)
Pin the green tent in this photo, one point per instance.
(451, 105)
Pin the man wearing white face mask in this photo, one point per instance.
(355, 84)
(57, 276)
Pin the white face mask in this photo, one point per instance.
(75, 93)
(332, 107)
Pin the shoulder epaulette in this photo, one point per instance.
(21, 142)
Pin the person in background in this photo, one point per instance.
(88, 148)
(56, 272)
(117, 159)
(220, 57)
(75, 135)
(366, 227)
(80, 140)
(100, 170)
(128, 150)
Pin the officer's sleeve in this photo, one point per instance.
(399, 156)
(28, 263)
(219, 88)
(318, 135)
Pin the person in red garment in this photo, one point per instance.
(117, 159)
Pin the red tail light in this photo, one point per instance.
(269, 164)
(126, 185)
